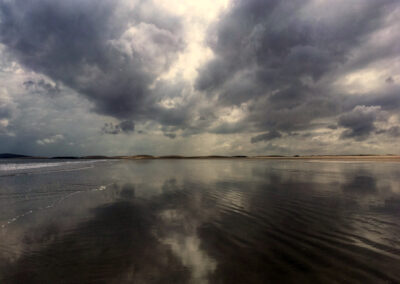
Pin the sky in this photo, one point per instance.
(161, 77)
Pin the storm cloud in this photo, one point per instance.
(105, 50)
(215, 77)
(281, 60)
(125, 126)
(359, 122)
(266, 136)
(42, 86)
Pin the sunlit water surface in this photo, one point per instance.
(199, 221)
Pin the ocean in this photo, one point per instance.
(199, 221)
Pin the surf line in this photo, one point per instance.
(58, 201)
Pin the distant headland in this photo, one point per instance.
(388, 157)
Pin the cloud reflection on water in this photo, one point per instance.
(207, 221)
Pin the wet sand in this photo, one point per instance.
(201, 221)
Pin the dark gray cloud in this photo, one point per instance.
(5, 111)
(387, 98)
(170, 135)
(266, 136)
(125, 126)
(332, 126)
(360, 122)
(273, 56)
(393, 131)
(101, 49)
(7, 106)
(42, 86)
(319, 72)
(229, 128)
(389, 80)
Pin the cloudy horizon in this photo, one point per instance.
(244, 77)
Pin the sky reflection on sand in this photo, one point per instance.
(203, 221)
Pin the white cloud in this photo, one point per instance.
(196, 16)
(51, 140)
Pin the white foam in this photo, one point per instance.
(101, 188)
(28, 166)
(53, 204)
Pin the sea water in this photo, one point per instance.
(199, 221)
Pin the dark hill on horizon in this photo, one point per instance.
(12, 156)
(150, 157)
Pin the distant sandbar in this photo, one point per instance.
(260, 157)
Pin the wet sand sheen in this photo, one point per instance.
(203, 221)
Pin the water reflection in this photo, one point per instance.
(115, 246)
(203, 222)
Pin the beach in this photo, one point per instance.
(200, 221)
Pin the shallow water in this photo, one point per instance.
(199, 221)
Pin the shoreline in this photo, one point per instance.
(316, 157)
(395, 158)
